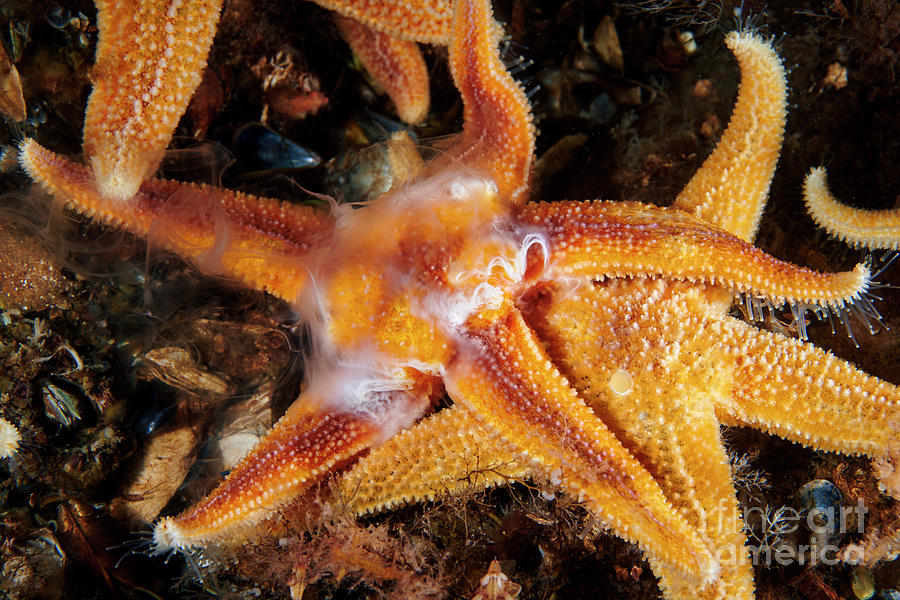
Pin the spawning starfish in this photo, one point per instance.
(587, 340)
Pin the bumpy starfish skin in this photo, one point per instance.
(446, 453)
(258, 241)
(426, 21)
(150, 58)
(661, 363)
(687, 368)
(657, 390)
(586, 340)
(513, 386)
(498, 133)
(604, 239)
(731, 188)
(303, 446)
(397, 65)
(872, 229)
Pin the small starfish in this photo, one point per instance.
(872, 229)
(587, 340)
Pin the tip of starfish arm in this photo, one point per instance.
(875, 230)
(50, 170)
(749, 44)
(116, 183)
(30, 158)
(168, 537)
(747, 38)
(856, 301)
(849, 298)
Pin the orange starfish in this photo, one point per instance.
(455, 282)
(650, 356)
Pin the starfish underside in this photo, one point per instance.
(587, 341)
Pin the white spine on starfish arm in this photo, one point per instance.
(853, 301)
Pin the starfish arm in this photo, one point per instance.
(498, 133)
(731, 187)
(872, 229)
(259, 241)
(395, 65)
(502, 373)
(425, 21)
(802, 393)
(635, 352)
(696, 474)
(616, 239)
(444, 454)
(303, 447)
(150, 57)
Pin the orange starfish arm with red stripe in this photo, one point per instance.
(511, 384)
(297, 452)
(150, 58)
(396, 65)
(306, 444)
(498, 132)
(260, 242)
(426, 21)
